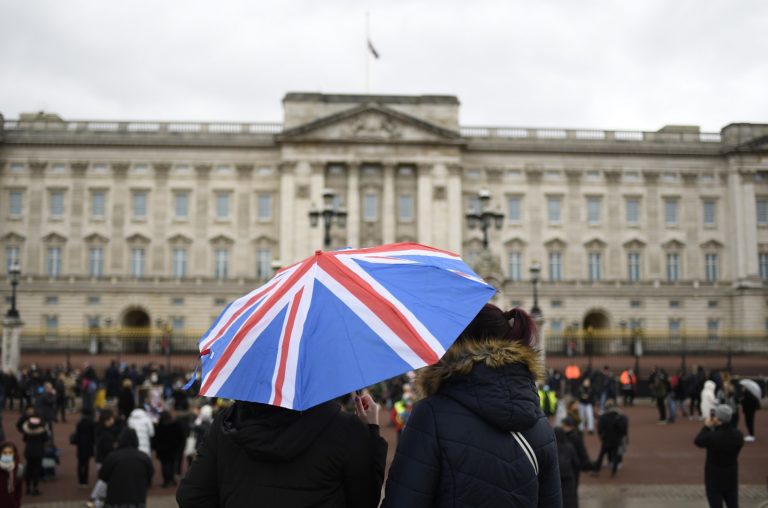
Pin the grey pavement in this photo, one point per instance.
(590, 496)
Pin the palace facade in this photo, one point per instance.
(126, 223)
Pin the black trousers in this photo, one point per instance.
(613, 457)
(695, 407)
(661, 404)
(168, 468)
(749, 419)
(716, 496)
(34, 470)
(82, 470)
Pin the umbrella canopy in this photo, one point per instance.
(339, 321)
(753, 387)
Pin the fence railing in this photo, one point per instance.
(588, 134)
(144, 127)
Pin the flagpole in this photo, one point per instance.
(367, 53)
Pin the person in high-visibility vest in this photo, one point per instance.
(548, 400)
(628, 381)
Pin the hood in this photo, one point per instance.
(138, 414)
(709, 386)
(128, 439)
(275, 434)
(493, 378)
(33, 427)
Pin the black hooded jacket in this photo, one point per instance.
(127, 472)
(456, 449)
(321, 457)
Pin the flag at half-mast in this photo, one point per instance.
(373, 50)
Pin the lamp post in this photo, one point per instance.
(14, 273)
(11, 349)
(330, 214)
(536, 313)
(484, 217)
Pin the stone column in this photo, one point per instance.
(455, 209)
(389, 209)
(537, 207)
(611, 217)
(316, 189)
(37, 207)
(287, 199)
(743, 227)
(244, 251)
(573, 261)
(75, 258)
(11, 354)
(690, 223)
(424, 203)
(649, 217)
(353, 205)
(201, 263)
(119, 199)
(160, 208)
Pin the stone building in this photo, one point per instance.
(126, 223)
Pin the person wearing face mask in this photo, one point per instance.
(11, 471)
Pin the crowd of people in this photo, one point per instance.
(130, 414)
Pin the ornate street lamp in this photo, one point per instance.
(484, 217)
(14, 272)
(330, 214)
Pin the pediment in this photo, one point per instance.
(264, 240)
(137, 238)
(634, 243)
(13, 238)
(222, 240)
(515, 242)
(595, 243)
(180, 239)
(54, 238)
(96, 238)
(673, 244)
(555, 243)
(712, 244)
(371, 123)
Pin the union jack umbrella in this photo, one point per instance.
(339, 321)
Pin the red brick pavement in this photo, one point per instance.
(661, 455)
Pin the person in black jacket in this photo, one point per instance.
(322, 457)
(612, 427)
(723, 443)
(127, 472)
(167, 441)
(577, 440)
(568, 461)
(750, 404)
(85, 437)
(35, 437)
(479, 438)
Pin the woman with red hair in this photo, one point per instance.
(479, 437)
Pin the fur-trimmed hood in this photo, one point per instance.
(493, 378)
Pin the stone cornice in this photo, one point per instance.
(533, 173)
(612, 176)
(747, 175)
(651, 177)
(690, 179)
(161, 169)
(573, 175)
(203, 171)
(37, 167)
(244, 171)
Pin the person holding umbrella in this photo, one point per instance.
(479, 438)
(287, 351)
(749, 405)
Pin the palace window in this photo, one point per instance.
(673, 266)
(96, 262)
(761, 206)
(179, 262)
(593, 210)
(221, 263)
(514, 211)
(515, 265)
(710, 264)
(633, 211)
(633, 266)
(595, 267)
(222, 205)
(139, 204)
(98, 204)
(370, 206)
(181, 204)
(670, 211)
(15, 203)
(137, 261)
(264, 205)
(710, 208)
(555, 266)
(54, 261)
(57, 204)
(12, 257)
(763, 258)
(405, 207)
(263, 263)
(553, 209)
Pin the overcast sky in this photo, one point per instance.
(602, 64)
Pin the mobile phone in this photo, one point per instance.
(711, 413)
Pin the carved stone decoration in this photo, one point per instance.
(244, 171)
(374, 126)
(37, 167)
(488, 266)
(533, 174)
(203, 171)
(612, 176)
(78, 168)
(573, 175)
(302, 192)
(747, 175)
(161, 169)
(287, 167)
(493, 175)
(120, 169)
(438, 193)
(690, 178)
(651, 177)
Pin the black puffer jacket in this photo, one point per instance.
(271, 457)
(456, 449)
